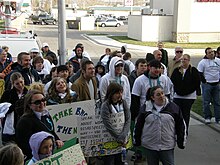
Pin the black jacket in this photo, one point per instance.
(53, 55)
(164, 59)
(11, 96)
(132, 77)
(26, 73)
(26, 127)
(187, 83)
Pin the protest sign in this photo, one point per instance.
(70, 156)
(65, 117)
(94, 139)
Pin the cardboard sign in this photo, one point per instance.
(65, 117)
(70, 156)
(94, 138)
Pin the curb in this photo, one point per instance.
(214, 126)
(97, 42)
(129, 46)
(197, 53)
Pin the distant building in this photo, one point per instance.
(115, 11)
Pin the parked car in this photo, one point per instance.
(109, 22)
(43, 18)
(122, 18)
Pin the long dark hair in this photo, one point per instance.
(111, 90)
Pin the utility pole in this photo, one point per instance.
(62, 52)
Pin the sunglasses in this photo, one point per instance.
(38, 102)
(179, 51)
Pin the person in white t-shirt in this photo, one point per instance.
(209, 68)
(150, 78)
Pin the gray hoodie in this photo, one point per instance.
(110, 77)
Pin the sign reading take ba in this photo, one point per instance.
(94, 138)
(65, 117)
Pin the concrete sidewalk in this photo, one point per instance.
(104, 40)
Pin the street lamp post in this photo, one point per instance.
(62, 52)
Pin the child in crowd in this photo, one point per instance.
(99, 71)
(11, 154)
(42, 145)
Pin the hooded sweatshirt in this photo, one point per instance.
(110, 77)
(35, 143)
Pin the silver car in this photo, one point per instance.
(109, 22)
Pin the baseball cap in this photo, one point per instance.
(45, 45)
(119, 62)
(34, 50)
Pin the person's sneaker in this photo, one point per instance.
(207, 121)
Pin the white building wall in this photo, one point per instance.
(205, 17)
(191, 22)
(150, 28)
(87, 23)
(135, 27)
(199, 23)
(166, 5)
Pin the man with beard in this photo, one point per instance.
(78, 57)
(23, 66)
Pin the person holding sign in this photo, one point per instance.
(36, 118)
(159, 126)
(42, 145)
(115, 104)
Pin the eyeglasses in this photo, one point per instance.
(179, 51)
(38, 102)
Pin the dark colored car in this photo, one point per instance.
(43, 19)
(122, 18)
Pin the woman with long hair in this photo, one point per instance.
(36, 118)
(115, 104)
(11, 96)
(59, 92)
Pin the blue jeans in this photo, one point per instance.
(211, 93)
(165, 156)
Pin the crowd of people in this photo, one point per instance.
(155, 94)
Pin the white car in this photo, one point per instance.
(109, 22)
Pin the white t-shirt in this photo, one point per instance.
(210, 69)
(143, 83)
